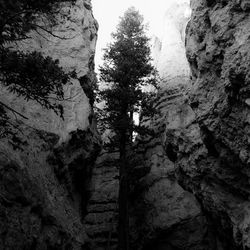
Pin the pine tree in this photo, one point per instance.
(128, 70)
(29, 74)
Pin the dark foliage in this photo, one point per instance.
(29, 74)
(33, 77)
(18, 17)
(128, 71)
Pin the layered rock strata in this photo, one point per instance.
(168, 50)
(206, 134)
(102, 209)
(164, 215)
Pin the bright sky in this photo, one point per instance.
(107, 13)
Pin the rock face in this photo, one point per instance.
(72, 41)
(44, 190)
(46, 164)
(214, 161)
(204, 141)
(164, 215)
(102, 209)
(206, 133)
(191, 187)
(168, 50)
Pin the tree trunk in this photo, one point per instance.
(131, 119)
(123, 230)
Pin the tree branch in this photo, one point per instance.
(13, 110)
(51, 33)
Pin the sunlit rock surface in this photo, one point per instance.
(76, 109)
(163, 214)
(72, 41)
(168, 49)
(46, 162)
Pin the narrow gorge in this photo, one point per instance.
(190, 188)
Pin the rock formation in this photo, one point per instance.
(102, 210)
(164, 215)
(45, 166)
(205, 131)
(168, 50)
(190, 186)
(204, 139)
(213, 156)
(72, 41)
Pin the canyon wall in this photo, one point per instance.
(163, 214)
(215, 162)
(46, 163)
(190, 186)
(205, 128)
(203, 140)
(101, 221)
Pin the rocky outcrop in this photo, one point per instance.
(168, 49)
(164, 215)
(205, 131)
(43, 189)
(71, 41)
(102, 209)
(46, 162)
(190, 186)
(206, 134)
(216, 167)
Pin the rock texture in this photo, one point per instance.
(46, 164)
(206, 132)
(72, 41)
(102, 210)
(190, 188)
(213, 156)
(164, 215)
(43, 189)
(168, 49)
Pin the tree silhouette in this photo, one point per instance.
(128, 70)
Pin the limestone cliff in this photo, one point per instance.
(45, 166)
(191, 187)
(163, 214)
(168, 49)
(72, 41)
(205, 128)
(215, 162)
(102, 209)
